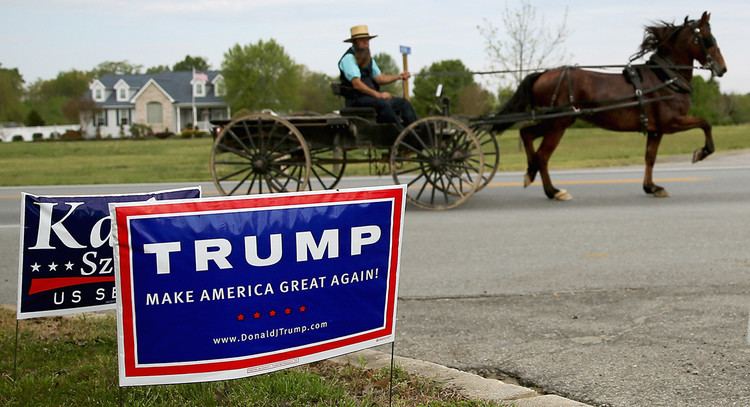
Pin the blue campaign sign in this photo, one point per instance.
(223, 288)
(404, 50)
(65, 259)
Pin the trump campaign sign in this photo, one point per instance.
(224, 288)
(65, 259)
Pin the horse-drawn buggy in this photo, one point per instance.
(440, 158)
(444, 160)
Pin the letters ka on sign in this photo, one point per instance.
(65, 259)
(224, 288)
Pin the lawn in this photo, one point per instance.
(178, 160)
(73, 362)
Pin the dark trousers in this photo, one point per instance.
(389, 110)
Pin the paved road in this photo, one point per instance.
(614, 298)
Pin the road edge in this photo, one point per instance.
(469, 385)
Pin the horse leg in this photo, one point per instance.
(683, 123)
(543, 154)
(528, 135)
(652, 146)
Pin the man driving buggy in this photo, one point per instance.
(361, 79)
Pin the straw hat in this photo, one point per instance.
(359, 31)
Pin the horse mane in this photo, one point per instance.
(660, 35)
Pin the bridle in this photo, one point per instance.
(705, 43)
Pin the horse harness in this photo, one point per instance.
(666, 71)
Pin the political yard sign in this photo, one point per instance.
(223, 288)
(65, 260)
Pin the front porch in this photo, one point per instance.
(205, 114)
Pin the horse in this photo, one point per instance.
(659, 105)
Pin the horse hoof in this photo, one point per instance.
(661, 193)
(526, 180)
(697, 155)
(563, 195)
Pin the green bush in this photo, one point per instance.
(138, 130)
(72, 135)
(187, 134)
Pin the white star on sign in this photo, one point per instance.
(68, 266)
(35, 267)
(53, 267)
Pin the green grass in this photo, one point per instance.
(176, 160)
(72, 362)
(588, 148)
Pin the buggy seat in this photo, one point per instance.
(367, 112)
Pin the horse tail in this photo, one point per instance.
(519, 102)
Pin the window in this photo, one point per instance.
(219, 88)
(99, 94)
(101, 118)
(122, 94)
(199, 89)
(153, 113)
(124, 116)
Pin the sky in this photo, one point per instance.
(44, 37)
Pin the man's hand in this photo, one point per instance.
(384, 95)
(404, 76)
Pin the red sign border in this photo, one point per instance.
(123, 213)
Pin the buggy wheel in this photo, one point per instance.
(491, 152)
(327, 167)
(440, 160)
(258, 154)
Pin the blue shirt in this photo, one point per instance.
(349, 67)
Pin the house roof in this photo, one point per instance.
(175, 84)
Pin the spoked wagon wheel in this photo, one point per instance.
(260, 153)
(328, 165)
(491, 152)
(440, 160)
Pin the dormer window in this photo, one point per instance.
(199, 84)
(219, 88)
(123, 91)
(97, 91)
(199, 89)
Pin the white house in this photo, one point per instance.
(166, 102)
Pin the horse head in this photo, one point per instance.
(703, 46)
(687, 42)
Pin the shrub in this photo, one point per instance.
(163, 134)
(138, 130)
(72, 135)
(186, 134)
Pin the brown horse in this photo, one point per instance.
(661, 108)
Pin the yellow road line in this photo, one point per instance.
(506, 184)
(600, 182)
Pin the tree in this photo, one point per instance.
(33, 119)
(738, 107)
(315, 93)
(387, 65)
(261, 76)
(452, 74)
(706, 100)
(158, 69)
(473, 100)
(54, 99)
(529, 43)
(190, 63)
(116, 67)
(11, 93)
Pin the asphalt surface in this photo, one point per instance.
(615, 298)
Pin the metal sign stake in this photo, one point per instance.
(390, 386)
(15, 354)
